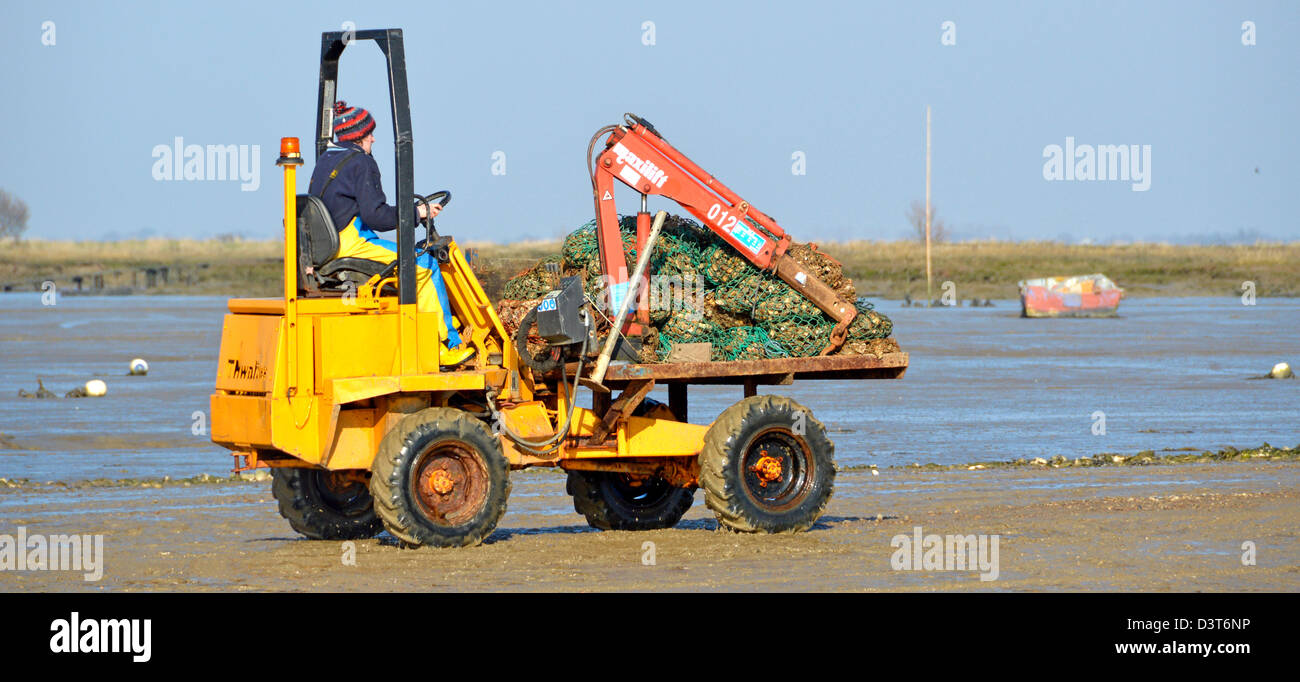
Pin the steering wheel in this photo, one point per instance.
(428, 199)
(432, 243)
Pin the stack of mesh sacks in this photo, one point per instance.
(704, 291)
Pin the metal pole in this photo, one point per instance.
(290, 159)
(929, 292)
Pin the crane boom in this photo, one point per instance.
(637, 156)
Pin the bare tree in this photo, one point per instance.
(13, 216)
(916, 218)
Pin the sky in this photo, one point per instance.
(93, 90)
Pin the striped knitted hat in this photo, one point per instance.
(351, 123)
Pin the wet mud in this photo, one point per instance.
(1157, 528)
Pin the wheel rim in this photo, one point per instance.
(450, 483)
(777, 469)
(343, 493)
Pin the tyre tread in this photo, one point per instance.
(589, 501)
(722, 492)
(309, 517)
(396, 448)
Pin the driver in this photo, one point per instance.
(346, 179)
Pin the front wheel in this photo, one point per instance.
(767, 466)
(440, 479)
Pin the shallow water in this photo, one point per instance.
(983, 384)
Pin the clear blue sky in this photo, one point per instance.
(739, 87)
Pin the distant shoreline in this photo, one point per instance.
(883, 270)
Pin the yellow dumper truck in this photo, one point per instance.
(392, 438)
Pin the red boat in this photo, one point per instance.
(1079, 296)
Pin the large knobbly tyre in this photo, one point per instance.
(325, 505)
(767, 466)
(614, 501)
(440, 479)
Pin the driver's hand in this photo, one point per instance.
(422, 210)
(434, 210)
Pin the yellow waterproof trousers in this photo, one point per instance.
(358, 241)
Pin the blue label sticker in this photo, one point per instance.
(618, 292)
(747, 237)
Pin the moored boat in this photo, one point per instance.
(1079, 296)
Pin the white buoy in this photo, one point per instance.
(139, 367)
(96, 388)
(1281, 371)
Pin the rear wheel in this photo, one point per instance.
(440, 479)
(325, 505)
(767, 466)
(615, 501)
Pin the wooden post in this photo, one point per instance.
(929, 293)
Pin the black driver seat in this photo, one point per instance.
(319, 272)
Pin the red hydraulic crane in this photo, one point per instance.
(639, 157)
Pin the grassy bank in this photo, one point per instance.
(880, 269)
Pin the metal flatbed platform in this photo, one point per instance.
(778, 371)
(639, 378)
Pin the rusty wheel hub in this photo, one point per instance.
(767, 467)
(441, 481)
(451, 483)
(777, 468)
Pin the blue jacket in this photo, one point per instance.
(356, 191)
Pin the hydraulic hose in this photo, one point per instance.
(591, 147)
(550, 444)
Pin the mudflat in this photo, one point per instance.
(1181, 527)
